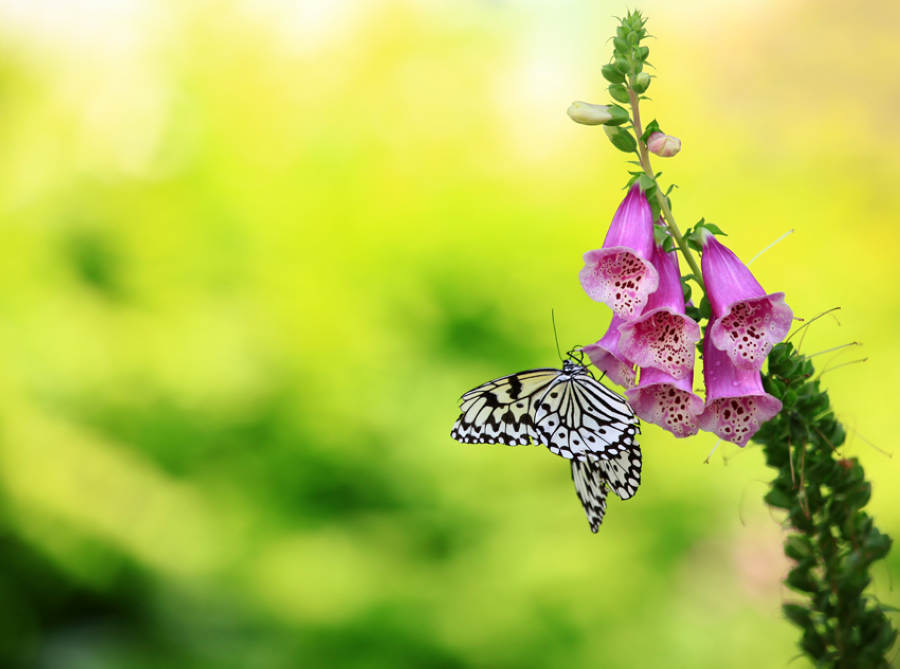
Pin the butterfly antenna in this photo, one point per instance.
(555, 335)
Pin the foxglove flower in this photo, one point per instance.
(663, 337)
(746, 322)
(666, 401)
(736, 403)
(620, 274)
(607, 357)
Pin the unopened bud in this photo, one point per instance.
(663, 145)
(641, 82)
(590, 114)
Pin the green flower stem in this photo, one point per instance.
(644, 157)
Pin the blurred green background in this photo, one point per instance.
(254, 251)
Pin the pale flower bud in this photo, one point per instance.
(663, 145)
(589, 114)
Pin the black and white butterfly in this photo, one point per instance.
(570, 412)
(566, 409)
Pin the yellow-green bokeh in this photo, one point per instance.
(254, 251)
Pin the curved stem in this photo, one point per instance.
(644, 157)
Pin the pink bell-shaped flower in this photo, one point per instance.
(663, 337)
(620, 274)
(736, 403)
(607, 357)
(746, 322)
(666, 401)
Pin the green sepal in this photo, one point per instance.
(686, 290)
(641, 82)
(619, 115)
(618, 93)
(612, 75)
(659, 234)
(652, 127)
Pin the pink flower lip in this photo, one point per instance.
(747, 322)
(620, 274)
(666, 401)
(608, 359)
(749, 329)
(663, 337)
(736, 403)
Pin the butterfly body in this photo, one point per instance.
(571, 413)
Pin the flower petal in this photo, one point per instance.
(663, 337)
(620, 274)
(747, 322)
(750, 328)
(607, 358)
(666, 401)
(736, 403)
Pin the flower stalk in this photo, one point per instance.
(662, 200)
(831, 540)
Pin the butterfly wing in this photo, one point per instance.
(592, 475)
(623, 472)
(589, 487)
(578, 415)
(502, 411)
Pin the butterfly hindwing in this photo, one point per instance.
(590, 490)
(623, 473)
(592, 476)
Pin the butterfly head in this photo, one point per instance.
(575, 360)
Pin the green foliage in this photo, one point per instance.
(629, 55)
(833, 542)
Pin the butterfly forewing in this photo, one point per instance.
(502, 411)
(578, 415)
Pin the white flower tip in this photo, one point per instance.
(588, 114)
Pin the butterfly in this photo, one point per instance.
(570, 412)
(567, 409)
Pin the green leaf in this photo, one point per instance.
(778, 499)
(797, 614)
(705, 308)
(715, 229)
(800, 578)
(669, 245)
(620, 138)
(798, 547)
